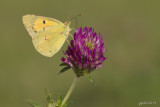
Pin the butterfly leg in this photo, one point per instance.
(67, 41)
(71, 36)
(73, 29)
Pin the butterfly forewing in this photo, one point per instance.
(35, 23)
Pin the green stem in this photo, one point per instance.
(69, 91)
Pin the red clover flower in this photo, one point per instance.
(85, 52)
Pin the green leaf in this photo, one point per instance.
(90, 79)
(48, 95)
(59, 101)
(63, 64)
(64, 69)
(34, 104)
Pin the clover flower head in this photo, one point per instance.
(85, 52)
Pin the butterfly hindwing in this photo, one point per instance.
(49, 42)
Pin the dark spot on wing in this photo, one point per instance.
(61, 32)
(35, 30)
(46, 38)
(44, 22)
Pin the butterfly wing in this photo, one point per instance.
(48, 34)
(49, 41)
(35, 23)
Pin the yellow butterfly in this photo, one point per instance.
(48, 34)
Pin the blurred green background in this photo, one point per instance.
(131, 32)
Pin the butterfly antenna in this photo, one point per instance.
(75, 17)
(70, 12)
(76, 22)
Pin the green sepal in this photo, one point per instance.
(59, 101)
(32, 103)
(64, 69)
(90, 79)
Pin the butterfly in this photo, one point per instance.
(48, 34)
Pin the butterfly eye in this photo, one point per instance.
(44, 21)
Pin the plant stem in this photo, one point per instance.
(69, 91)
